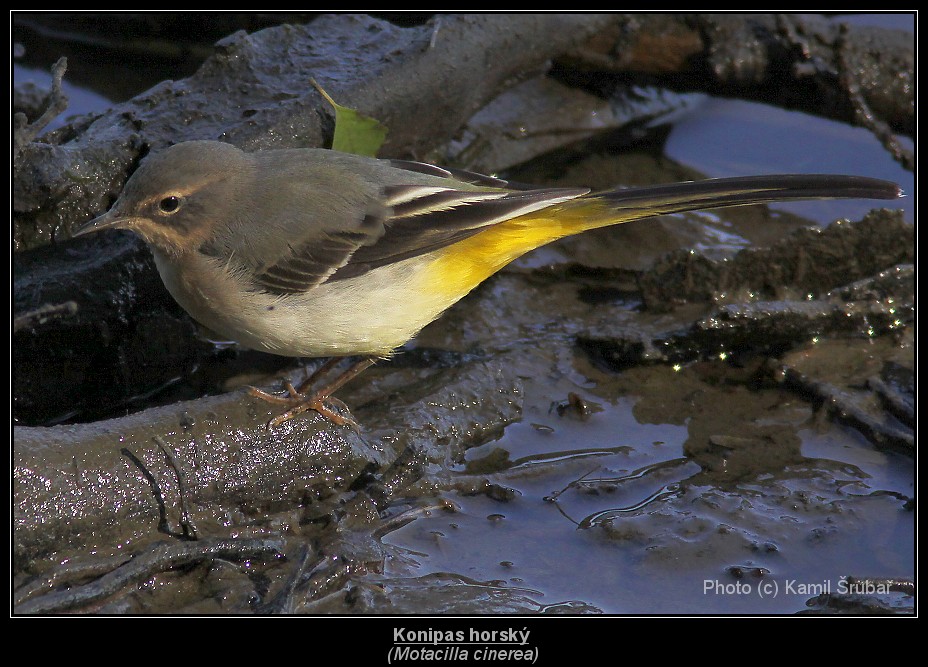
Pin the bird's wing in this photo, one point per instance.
(400, 210)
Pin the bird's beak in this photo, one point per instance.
(109, 220)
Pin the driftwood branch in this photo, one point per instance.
(808, 63)
(119, 481)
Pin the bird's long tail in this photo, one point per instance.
(635, 203)
(474, 259)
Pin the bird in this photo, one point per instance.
(311, 252)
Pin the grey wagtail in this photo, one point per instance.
(314, 253)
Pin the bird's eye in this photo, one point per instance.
(170, 204)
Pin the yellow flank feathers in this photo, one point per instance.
(460, 267)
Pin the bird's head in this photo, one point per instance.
(177, 197)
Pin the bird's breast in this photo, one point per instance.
(371, 314)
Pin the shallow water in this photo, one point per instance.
(627, 512)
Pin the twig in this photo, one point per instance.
(23, 131)
(863, 114)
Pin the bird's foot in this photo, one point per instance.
(299, 403)
(300, 399)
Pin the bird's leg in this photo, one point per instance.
(318, 373)
(296, 394)
(300, 401)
